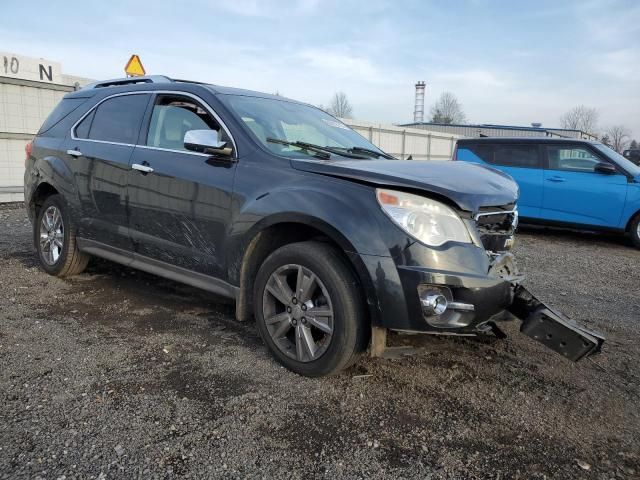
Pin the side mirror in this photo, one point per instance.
(206, 141)
(605, 168)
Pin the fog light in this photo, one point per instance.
(434, 304)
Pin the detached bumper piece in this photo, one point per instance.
(552, 328)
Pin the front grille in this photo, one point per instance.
(496, 226)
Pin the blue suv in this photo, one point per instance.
(565, 182)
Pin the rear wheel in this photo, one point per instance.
(635, 231)
(55, 240)
(309, 309)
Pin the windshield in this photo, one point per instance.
(289, 122)
(627, 165)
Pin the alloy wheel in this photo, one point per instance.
(298, 313)
(51, 238)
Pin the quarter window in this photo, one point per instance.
(571, 158)
(173, 116)
(115, 120)
(64, 108)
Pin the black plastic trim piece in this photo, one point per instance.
(156, 267)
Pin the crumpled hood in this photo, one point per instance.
(469, 185)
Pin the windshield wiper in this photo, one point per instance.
(312, 148)
(316, 148)
(371, 152)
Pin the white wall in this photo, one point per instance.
(402, 142)
(29, 89)
(23, 109)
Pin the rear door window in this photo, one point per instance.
(523, 156)
(117, 119)
(480, 152)
(505, 155)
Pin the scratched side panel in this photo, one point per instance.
(179, 213)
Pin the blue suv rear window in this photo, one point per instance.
(523, 156)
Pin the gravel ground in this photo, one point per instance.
(119, 374)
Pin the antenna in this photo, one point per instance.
(418, 111)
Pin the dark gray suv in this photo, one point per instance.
(323, 238)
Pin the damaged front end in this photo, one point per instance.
(552, 328)
(539, 321)
(468, 299)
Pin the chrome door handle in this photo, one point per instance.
(142, 168)
(74, 153)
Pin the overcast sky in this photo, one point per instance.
(508, 62)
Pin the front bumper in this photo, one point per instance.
(467, 276)
(463, 271)
(552, 328)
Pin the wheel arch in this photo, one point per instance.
(279, 230)
(43, 191)
(632, 218)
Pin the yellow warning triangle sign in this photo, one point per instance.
(134, 67)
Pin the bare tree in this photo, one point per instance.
(447, 109)
(633, 145)
(619, 135)
(606, 140)
(580, 118)
(340, 106)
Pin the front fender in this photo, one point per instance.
(345, 211)
(632, 205)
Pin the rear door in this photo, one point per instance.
(99, 148)
(180, 211)
(520, 160)
(575, 193)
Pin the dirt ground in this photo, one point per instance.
(119, 374)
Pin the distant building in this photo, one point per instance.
(487, 130)
(29, 89)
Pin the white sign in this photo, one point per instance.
(29, 68)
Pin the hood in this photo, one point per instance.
(468, 185)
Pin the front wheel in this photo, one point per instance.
(309, 309)
(635, 231)
(55, 239)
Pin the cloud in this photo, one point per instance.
(262, 8)
(505, 65)
(340, 64)
(471, 79)
(623, 64)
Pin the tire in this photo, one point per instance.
(335, 289)
(634, 231)
(58, 260)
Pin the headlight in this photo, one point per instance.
(431, 222)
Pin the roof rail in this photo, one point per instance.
(129, 81)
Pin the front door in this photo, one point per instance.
(180, 207)
(575, 193)
(99, 149)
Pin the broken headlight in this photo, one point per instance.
(428, 221)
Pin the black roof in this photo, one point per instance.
(491, 126)
(529, 140)
(160, 82)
